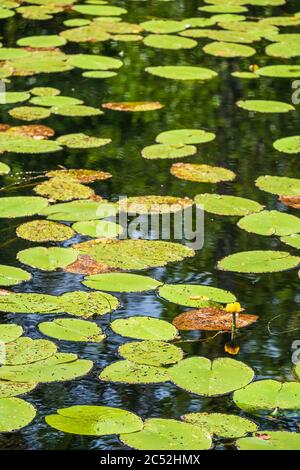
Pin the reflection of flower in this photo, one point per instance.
(232, 348)
(235, 307)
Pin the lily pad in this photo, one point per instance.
(15, 96)
(23, 144)
(227, 205)
(99, 74)
(21, 206)
(15, 413)
(98, 228)
(94, 62)
(185, 137)
(87, 304)
(285, 50)
(279, 185)
(11, 276)
(10, 333)
(181, 72)
(60, 188)
(134, 106)
(45, 91)
(154, 204)
(81, 141)
(260, 261)
(291, 240)
(163, 26)
(201, 376)
(121, 282)
(168, 151)
(94, 420)
(288, 144)
(44, 231)
(270, 223)
(168, 41)
(76, 111)
(228, 49)
(27, 351)
(81, 175)
(211, 319)
(29, 113)
(56, 100)
(147, 328)
(222, 424)
(99, 10)
(191, 295)
(270, 440)
(264, 106)
(12, 389)
(132, 373)
(80, 211)
(201, 173)
(47, 259)
(42, 41)
(4, 169)
(151, 353)
(279, 71)
(72, 329)
(29, 303)
(168, 434)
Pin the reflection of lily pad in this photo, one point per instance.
(270, 440)
(121, 282)
(47, 259)
(72, 329)
(279, 185)
(132, 373)
(264, 261)
(146, 328)
(181, 72)
(15, 414)
(222, 424)
(151, 353)
(185, 137)
(191, 295)
(21, 206)
(227, 205)
(44, 231)
(201, 173)
(158, 151)
(11, 276)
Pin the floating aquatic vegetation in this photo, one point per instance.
(15, 97)
(75, 111)
(146, 328)
(44, 231)
(94, 62)
(37, 61)
(191, 295)
(208, 378)
(27, 351)
(222, 424)
(42, 41)
(81, 175)
(4, 169)
(196, 33)
(197, 22)
(121, 282)
(168, 434)
(98, 228)
(290, 201)
(23, 144)
(132, 373)
(264, 106)
(221, 204)
(29, 113)
(72, 329)
(12, 389)
(81, 141)
(279, 185)
(168, 41)
(285, 50)
(21, 206)
(87, 304)
(134, 106)
(154, 204)
(211, 319)
(60, 188)
(279, 71)
(5, 13)
(79, 211)
(7, 53)
(47, 259)
(29, 303)
(151, 353)
(201, 173)
(56, 100)
(39, 12)
(10, 333)
(121, 28)
(134, 254)
(288, 144)
(57, 368)
(90, 33)
(11, 276)
(99, 74)
(15, 414)
(86, 265)
(270, 440)
(74, 22)
(181, 72)
(245, 75)
(163, 26)
(99, 10)
(168, 151)
(291, 240)
(36, 131)
(270, 223)
(260, 261)
(185, 137)
(228, 49)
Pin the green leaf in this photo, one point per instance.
(44, 91)
(24, 144)
(26, 351)
(47, 259)
(43, 41)
(151, 353)
(288, 144)
(81, 141)
(270, 223)
(76, 110)
(11, 276)
(21, 206)
(227, 205)
(168, 434)
(10, 333)
(132, 373)
(30, 113)
(201, 376)
(153, 204)
(98, 228)
(56, 100)
(99, 74)
(71, 329)
(15, 96)
(279, 185)
(185, 137)
(44, 231)
(222, 424)
(280, 71)
(168, 41)
(197, 296)
(15, 414)
(228, 50)
(61, 188)
(87, 304)
(94, 420)
(147, 328)
(163, 26)
(265, 106)
(11, 389)
(79, 211)
(121, 282)
(180, 72)
(260, 261)
(292, 240)
(270, 440)
(99, 10)
(201, 173)
(4, 169)
(168, 151)
(94, 62)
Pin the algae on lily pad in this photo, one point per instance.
(222, 425)
(121, 282)
(21, 206)
(185, 137)
(132, 373)
(153, 204)
(221, 204)
(270, 223)
(265, 106)
(168, 434)
(168, 151)
(259, 261)
(81, 141)
(183, 72)
(72, 329)
(87, 304)
(81, 175)
(191, 295)
(88, 420)
(11, 276)
(10, 332)
(201, 173)
(288, 144)
(44, 231)
(30, 113)
(134, 106)
(208, 378)
(47, 259)
(60, 188)
(13, 389)
(270, 440)
(147, 328)
(15, 414)
(151, 353)
(27, 351)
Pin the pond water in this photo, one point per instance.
(243, 144)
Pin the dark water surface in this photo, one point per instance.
(243, 144)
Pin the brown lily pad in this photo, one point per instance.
(211, 319)
(290, 201)
(201, 173)
(86, 265)
(81, 175)
(134, 106)
(35, 131)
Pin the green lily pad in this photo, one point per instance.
(153, 204)
(44, 231)
(180, 72)
(270, 440)
(168, 151)
(280, 71)
(151, 353)
(270, 223)
(168, 41)
(245, 75)
(4, 169)
(132, 373)
(201, 173)
(196, 22)
(29, 303)
(121, 282)
(42, 41)
(163, 26)
(222, 424)
(24, 144)
(47, 259)
(5, 13)
(27, 351)
(75, 22)
(72, 329)
(15, 96)
(80, 211)
(57, 368)
(81, 175)
(292, 240)
(280, 185)
(219, 8)
(15, 414)
(227, 205)
(94, 62)
(201, 376)
(168, 434)
(11, 276)
(99, 10)
(185, 137)
(56, 100)
(147, 328)
(284, 50)
(260, 261)
(90, 33)
(87, 304)
(288, 144)
(7, 53)
(10, 332)
(94, 420)
(61, 188)
(228, 50)
(21, 206)
(76, 111)
(29, 113)
(133, 106)
(81, 141)
(12, 389)
(99, 74)
(265, 106)
(281, 20)
(134, 254)
(197, 296)
(98, 228)
(268, 395)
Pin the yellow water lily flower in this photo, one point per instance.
(235, 307)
